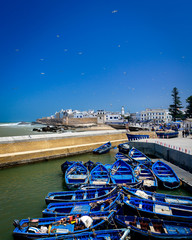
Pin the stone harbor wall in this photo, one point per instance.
(25, 149)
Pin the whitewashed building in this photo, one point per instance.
(156, 115)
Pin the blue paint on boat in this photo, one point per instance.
(167, 134)
(155, 228)
(122, 173)
(149, 208)
(106, 234)
(124, 147)
(132, 137)
(76, 175)
(99, 175)
(103, 148)
(139, 157)
(159, 197)
(166, 175)
(81, 195)
(147, 176)
(72, 208)
(125, 158)
(60, 226)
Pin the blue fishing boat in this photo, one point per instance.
(139, 157)
(65, 165)
(137, 185)
(106, 234)
(103, 148)
(149, 208)
(145, 174)
(155, 228)
(71, 208)
(167, 134)
(99, 175)
(61, 226)
(160, 197)
(122, 173)
(76, 175)
(165, 175)
(108, 166)
(90, 165)
(81, 195)
(123, 157)
(124, 147)
(132, 137)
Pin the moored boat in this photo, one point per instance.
(139, 157)
(81, 195)
(147, 176)
(65, 165)
(160, 197)
(137, 185)
(149, 208)
(99, 175)
(155, 228)
(71, 208)
(90, 165)
(167, 134)
(107, 234)
(123, 157)
(122, 173)
(124, 147)
(165, 175)
(76, 175)
(55, 226)
(103, 148)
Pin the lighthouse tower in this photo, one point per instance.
(122, 111)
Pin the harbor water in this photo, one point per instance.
(23, 188)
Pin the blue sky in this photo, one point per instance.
(92, 54)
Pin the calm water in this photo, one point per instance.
(24, 188)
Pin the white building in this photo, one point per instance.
(156, 115)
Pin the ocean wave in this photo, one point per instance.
(14, 124)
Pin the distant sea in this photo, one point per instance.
(19, 129)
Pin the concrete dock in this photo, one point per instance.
(176, 152)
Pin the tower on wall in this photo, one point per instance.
(101, 117)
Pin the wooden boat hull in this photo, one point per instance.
(148, 208)
(60, 226)
(63, 209)
(124, 147)
(159, 197)
(147, 176)
(81, 195)
(99, 175)
(76, 175)
(125, 158)
(105, 148)
(165, 174)
(164, 134)
(139, 157)
(122, 173)
(114, 234)
(130, 185)
(155, 228)
(65, 165)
